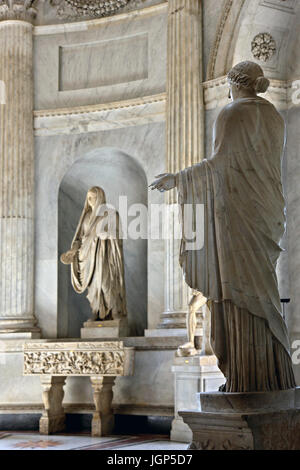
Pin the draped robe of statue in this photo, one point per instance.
(98, 265)
(241, 190)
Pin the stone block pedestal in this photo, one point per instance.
(104, 329)
(246, 421)
(191, 376)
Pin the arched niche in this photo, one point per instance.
(119, 175)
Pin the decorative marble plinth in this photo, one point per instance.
(104, 329)
(246, 421)
(101, 361)
(191, 376)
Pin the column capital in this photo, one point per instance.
(17, 10)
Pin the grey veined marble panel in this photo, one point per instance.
(97, 62)
(113, 63)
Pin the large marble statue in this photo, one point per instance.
(241, 190)
(96, 259)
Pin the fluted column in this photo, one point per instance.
(16, 170)
(185, 133)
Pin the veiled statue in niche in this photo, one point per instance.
(240, 188)
(96, 258)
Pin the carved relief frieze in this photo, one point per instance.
(105, 359)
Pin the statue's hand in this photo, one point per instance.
(164, 182)
(68, 257)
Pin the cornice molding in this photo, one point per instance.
(96, 108)
(94, 118)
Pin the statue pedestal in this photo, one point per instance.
(192, 375)
(104, 329)
(246, 421)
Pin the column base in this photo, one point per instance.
(170, 332)
(19, 328)
(179, 333)
(20, 334)
(177, 320)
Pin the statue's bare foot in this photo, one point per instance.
(186, 350)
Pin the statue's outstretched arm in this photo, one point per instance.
(164, 182)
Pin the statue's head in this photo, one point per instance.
(95, 197)
(247, 78)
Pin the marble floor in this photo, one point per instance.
(34, 441)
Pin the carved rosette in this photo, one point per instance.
(263, 47)
(17, 10)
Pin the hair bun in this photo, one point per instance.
(261, 84)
